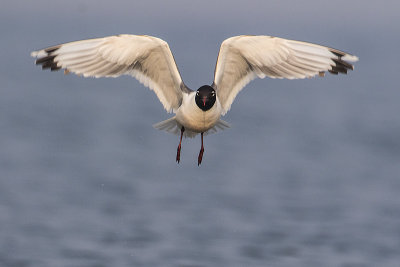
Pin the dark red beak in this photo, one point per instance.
(204, 101)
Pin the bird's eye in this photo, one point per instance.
(197, 93)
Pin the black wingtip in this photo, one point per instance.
(52, 49)
(44, 59)
(340, 65)
(48, 61)
(333, 72)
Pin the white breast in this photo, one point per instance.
(195, 119)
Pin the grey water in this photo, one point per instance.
(308, 175)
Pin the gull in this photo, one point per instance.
(149, 59)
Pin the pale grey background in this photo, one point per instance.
(307, 176)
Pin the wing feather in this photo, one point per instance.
(146, 58)
(243, 58)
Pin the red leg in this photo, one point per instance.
(178, 153)
(201, 152)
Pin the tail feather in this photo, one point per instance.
(221, 125)
(171, 125)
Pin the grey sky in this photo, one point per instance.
(195, 29)
(360, 27)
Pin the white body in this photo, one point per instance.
(190, 116)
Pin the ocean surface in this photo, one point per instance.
(305, 177)
(308, 175)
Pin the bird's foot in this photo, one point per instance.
(178, 154)
(200, 158)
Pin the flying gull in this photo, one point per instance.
(149, 59)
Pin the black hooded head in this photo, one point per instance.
(205, 97)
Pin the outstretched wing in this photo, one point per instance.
(243, 58)
(146, 58)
